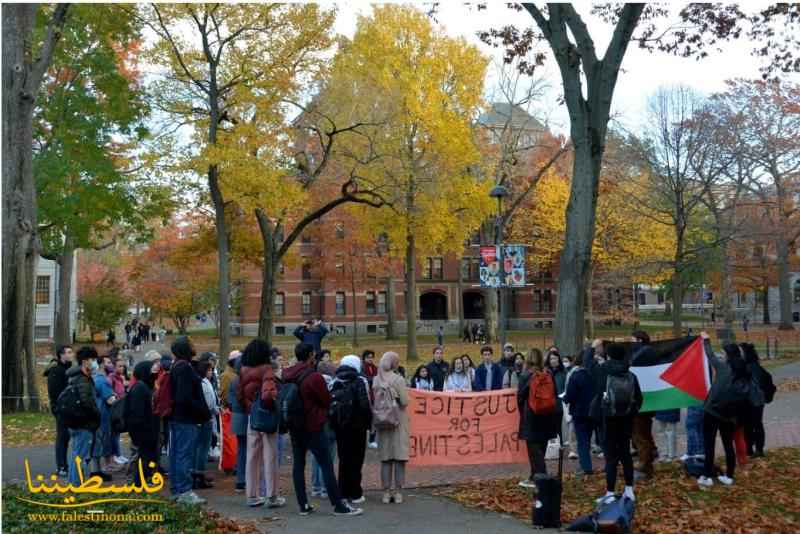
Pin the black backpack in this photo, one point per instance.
(618, 398)
(290, 405)
(119, 415)
(344, 403)
(73, 412)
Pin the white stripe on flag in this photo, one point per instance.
(649, 377)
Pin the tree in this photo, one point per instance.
(89, 121)
(568, 37)
(417, 92)
(103, 291)
(26, 58)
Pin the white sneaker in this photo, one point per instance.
(258, 501)
(121, 460)
(572, 456)
(276, 502)
(349, 510)
(315, 492)
(684, 457)
(705, 481)
(360, 500)
(373, 445)
(190, 497)
(725, 480)
(628, 493)
(605, 499)
(526, 483)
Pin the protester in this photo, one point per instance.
(440, 336)
(262, 448)
(511, 374)
(104, 397)
(324, 356)
(579, 395)
(536, 429)
(199, 478)
(370, 371)
(143, 426)
(488, 375)
(227, 377)
(556, 368)
(56, 374)
(316, 399)
(111, 337)
(622, 399)
(438, 369)
(350, 437)
(754, 419)
(694, 433)
(466, 335)
(393, 441)
(239, 425)
(507, 358)
(667, 428)
(469, 367)
(723, 403)
(118, 379)
(458, 380)
(128, 330)
(643, 422)
(594, 361)
(82, 430)
(421, 379)
(189, 412)
(312, 333)
(328, 373)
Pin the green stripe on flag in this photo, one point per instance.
(667, 399)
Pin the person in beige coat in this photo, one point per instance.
(393, 442)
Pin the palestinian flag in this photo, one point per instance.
(672, 373)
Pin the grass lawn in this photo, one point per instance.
(28, 428)
(764, 498)
(138, 517)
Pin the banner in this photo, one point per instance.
(490, 267)
(502, 266)
(514, 265)
(464, 428)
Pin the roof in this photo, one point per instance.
(499, 113)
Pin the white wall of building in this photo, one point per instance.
(46, 298)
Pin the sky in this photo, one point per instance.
(642, 72)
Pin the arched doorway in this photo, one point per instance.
(474, 305)
(432, 306)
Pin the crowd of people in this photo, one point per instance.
(179, 404)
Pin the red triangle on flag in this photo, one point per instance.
(688, 371)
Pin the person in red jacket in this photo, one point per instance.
(316, 399)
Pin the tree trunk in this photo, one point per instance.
(355, 310)
(21, 79)
(411, 297)
(491, 314)
(576, 256)
(269, 272)
(765, 304)
(784, 285)
(222, 262)
(391, 330)
(590, 301)
(677, 302)
(460, 303)
(726, 295)
(66, 263)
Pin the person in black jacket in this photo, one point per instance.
(143, 426)
(56, 374)
(350, 441)
(82, 433)
(188, 412)
(438, 369)
(579, 395)
(754, 421)
(618, 415)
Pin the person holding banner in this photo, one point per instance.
(438, 368)
(393, 436)
(488, 376)
(458, 380)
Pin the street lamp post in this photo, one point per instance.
(500, 192)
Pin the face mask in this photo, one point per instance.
(109, 369)
(567, 365)
(93, 367)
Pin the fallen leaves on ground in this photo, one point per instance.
(791, 384)
(763, 499)
(28, 428)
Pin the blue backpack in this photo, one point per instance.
(263, 420)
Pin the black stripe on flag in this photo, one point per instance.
(657, 352)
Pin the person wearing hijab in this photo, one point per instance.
(393, 442)
(143, 426)
(350, 441)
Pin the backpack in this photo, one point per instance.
(72, 412)
(618, 397)
(262, 419)
(542, 393)
(163, 401)
(119, 415)
(344, 403)
(764, 380)
(290, 405)
(385, 411)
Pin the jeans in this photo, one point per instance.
(694, 431)
(241, 459)
(317, 443)
(202, 448)
(82, 442)
(352, 449)
(62, 444)
(618, 432)
(146, 444)
(116, 449)
(281, 447)
(583, 435)
(182, 443)
(316, 472)
(536, 450)
(670, 432)
(710, 426)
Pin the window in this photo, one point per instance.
(370, 303)
(475, 238)
(796, 291)
(426, 269)
(547, 300)
(280, 330)
(305, 239)
(381, 302)
(660, 297)
(340, 263)
(372, 329)
(41, 331)
(339, 231)
(281, 268)
(618, 297)
(537, 300)
(42, 290)
(437, 271)
(340, 306)
(545, 275)
(306, 272)
(609, 298)
(280, 304)
(741, 300)
(465, 268)
(306, 302)
(642, 299)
